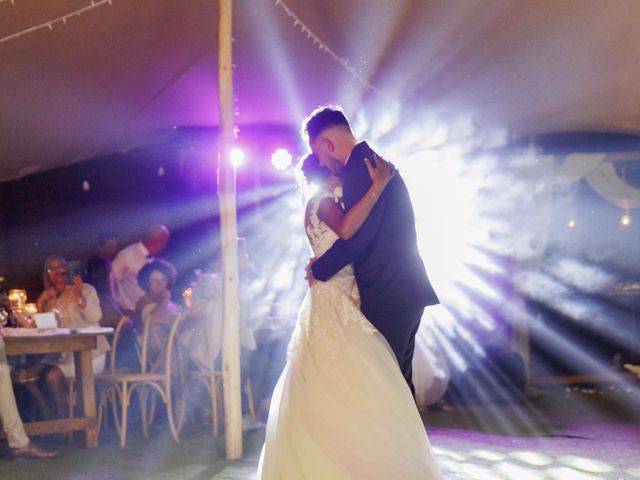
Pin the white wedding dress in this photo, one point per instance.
(341, 409)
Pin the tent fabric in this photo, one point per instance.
(123, 73)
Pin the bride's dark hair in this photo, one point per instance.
(312, 170)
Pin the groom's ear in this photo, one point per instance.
(329, 144)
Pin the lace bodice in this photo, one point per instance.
(321, 238)
(329, 305)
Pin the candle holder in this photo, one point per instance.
(30, 309)
(17, 299)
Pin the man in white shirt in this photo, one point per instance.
(130, 260)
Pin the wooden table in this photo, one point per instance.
(81, 345)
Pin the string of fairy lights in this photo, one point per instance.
(297, 22)
(49, 24)
(323, 47)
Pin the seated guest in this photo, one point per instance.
(76, 306)
(19, 444)
(155, 307)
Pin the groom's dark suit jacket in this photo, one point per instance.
(384, 252)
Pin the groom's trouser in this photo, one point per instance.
(400, 331)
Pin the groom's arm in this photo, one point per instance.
(344, 252)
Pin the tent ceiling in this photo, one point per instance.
(122, 74)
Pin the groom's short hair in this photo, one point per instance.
(321, 118)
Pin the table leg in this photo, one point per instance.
(86, 385)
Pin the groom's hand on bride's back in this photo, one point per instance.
(309, 275)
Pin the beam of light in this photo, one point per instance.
(585, 464)
(517, 472)
(585, 277)
(560, 295)
(536, 459)
(569, 350)
(485, 464)
(265, 22)
(281, 159)
(476, 472)
(490, 383)
(281, 254)
(580, 357)
(565, 473)
(448, 453)
(487, 455)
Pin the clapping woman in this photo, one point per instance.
(76, 305)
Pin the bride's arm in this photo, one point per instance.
(347, 224)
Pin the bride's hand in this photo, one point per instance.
(382, 173)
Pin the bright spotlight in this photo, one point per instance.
(571, 223)
(281, 159)
(237, 157)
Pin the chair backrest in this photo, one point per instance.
(114, 344)
(209, 326)
(167, 353)
(144, 357)
(171, 342)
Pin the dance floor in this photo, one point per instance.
(563, 434)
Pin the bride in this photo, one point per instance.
(341, 409)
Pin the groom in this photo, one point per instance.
(391, 277)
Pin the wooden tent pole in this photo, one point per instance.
(228, 236)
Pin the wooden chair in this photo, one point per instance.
(201, 370)
(120, 386)
(109, 368)
(206, 374)
(103, 380)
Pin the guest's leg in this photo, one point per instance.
(34, 392)
(56, 384)
(9, 416)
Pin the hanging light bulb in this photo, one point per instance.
(625, 220)
(281, 159)
(237, 157)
